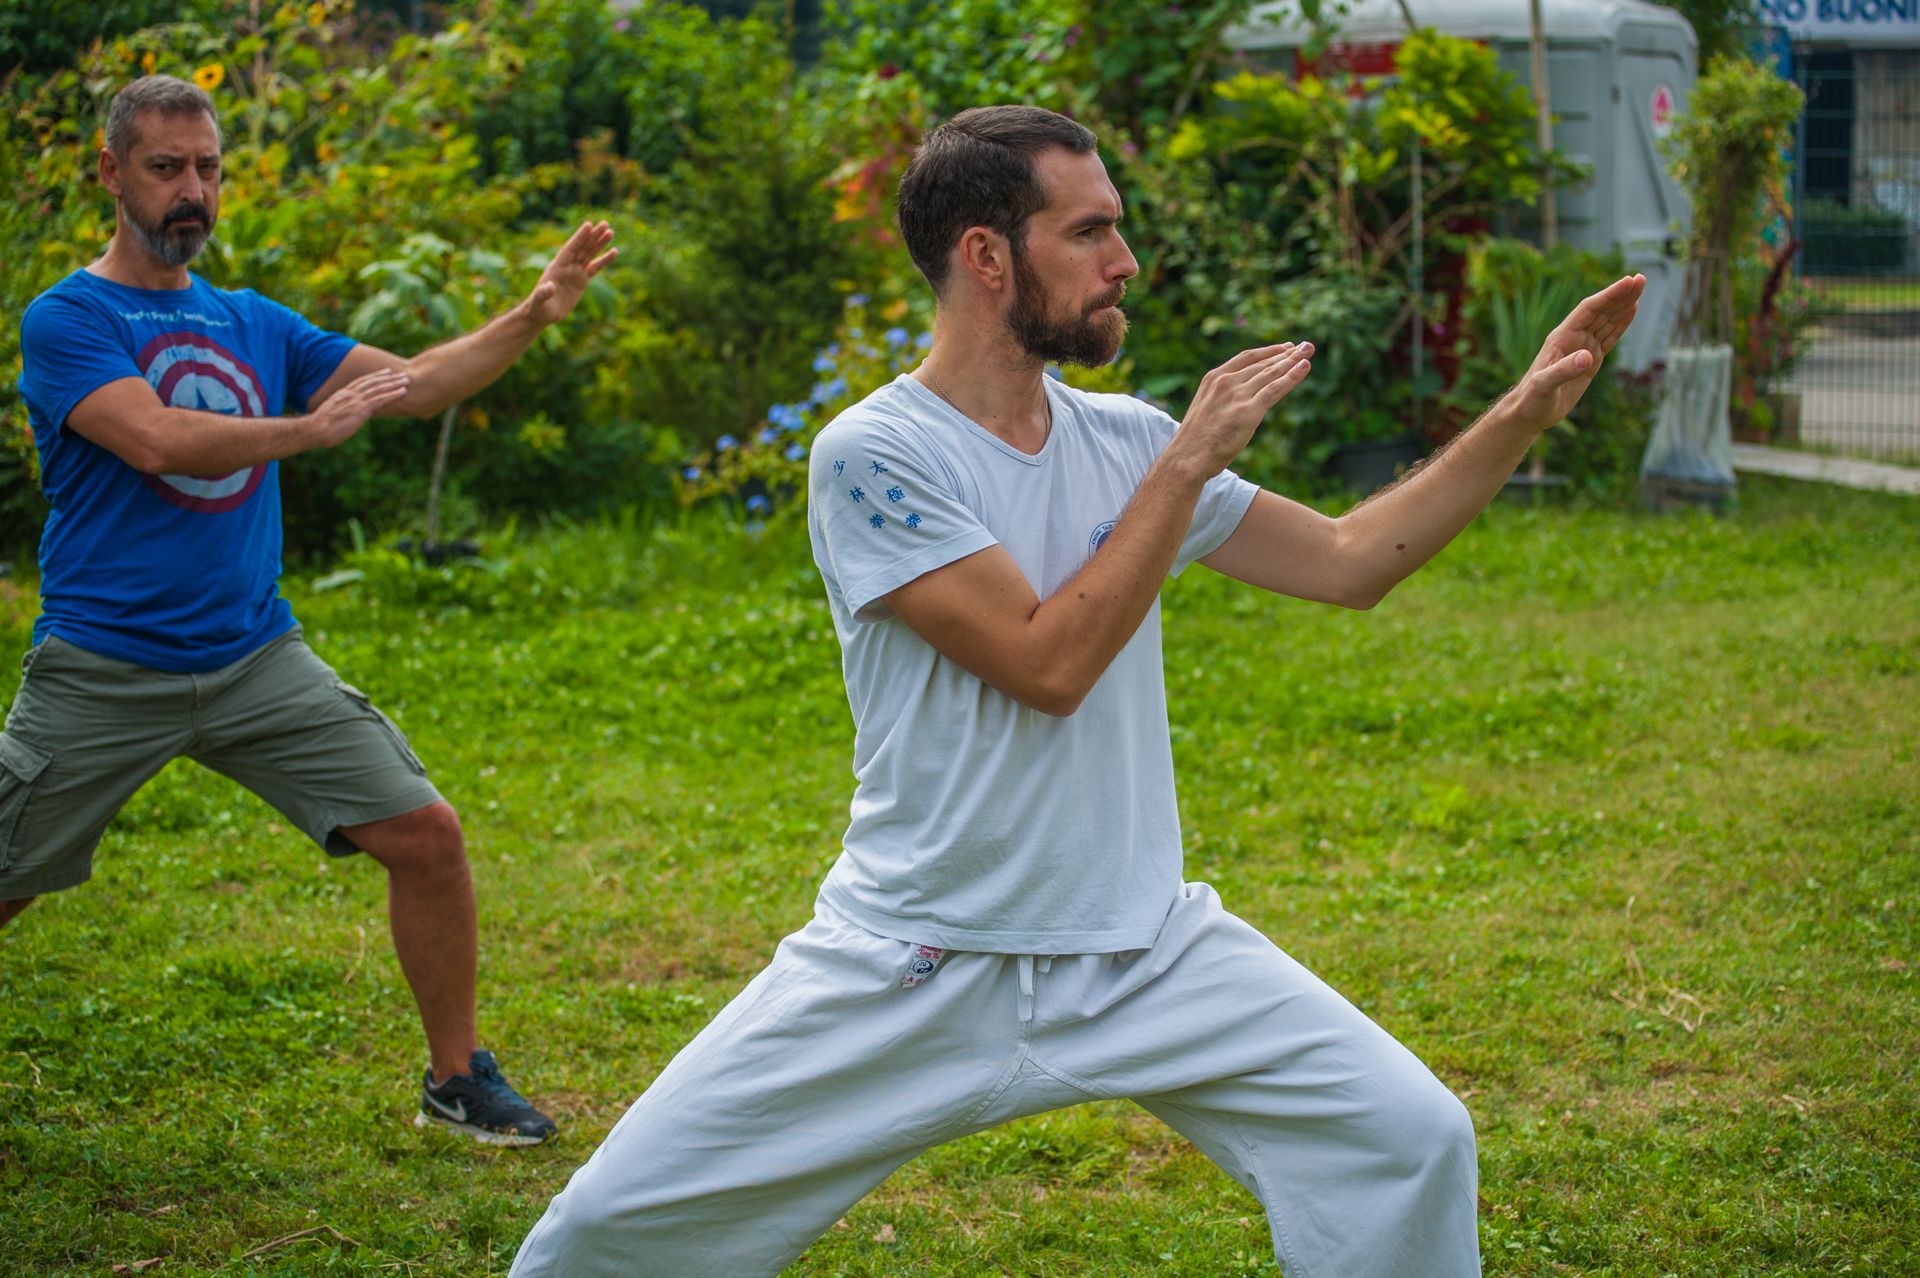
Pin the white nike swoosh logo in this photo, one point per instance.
(456, 1111)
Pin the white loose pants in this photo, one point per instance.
(828, 1072)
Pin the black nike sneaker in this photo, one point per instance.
(483, 1105)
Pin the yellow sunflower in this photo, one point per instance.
(210, 76)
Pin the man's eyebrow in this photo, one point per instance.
(1092, 220)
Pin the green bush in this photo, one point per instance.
(343, 141)
(1516, 295)
(39, 37)
(1858, 239)
(1727, 150)
(1284, 212)
(956, 53)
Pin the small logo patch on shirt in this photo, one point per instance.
(920, 966)
(1100, 536)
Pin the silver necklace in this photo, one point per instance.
(941, 391)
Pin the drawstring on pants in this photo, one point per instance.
(1023, 964)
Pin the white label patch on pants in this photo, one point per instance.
(920, 966)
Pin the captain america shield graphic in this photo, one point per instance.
(191, 370)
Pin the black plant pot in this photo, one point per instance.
(1372, 464)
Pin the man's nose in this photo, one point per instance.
(1125, 267)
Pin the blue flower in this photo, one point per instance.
(690, 474)
(767, 435)
(1053, 371)
(787, 416)
(796, 451)
(825, 391)
(725, 444)
(823, 363)
(896, 336)
(756, 503)
(856, 299)
(923, 341)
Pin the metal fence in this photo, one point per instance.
(1856, 389)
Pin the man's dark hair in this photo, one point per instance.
(164, 94)
(977, 169)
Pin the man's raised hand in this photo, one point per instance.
(348, 409)
(1235, 398)
(561, 285)
(1567, 363)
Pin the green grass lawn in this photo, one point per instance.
(1892, 293)
(1610, 818)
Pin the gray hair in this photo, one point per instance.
(166, 94)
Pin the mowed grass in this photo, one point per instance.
(1889, 293)
(1610, 818)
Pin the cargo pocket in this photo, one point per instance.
(20, 766)
(379, 716)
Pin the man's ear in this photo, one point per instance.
(986, 257)
(110, 171)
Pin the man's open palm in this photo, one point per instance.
(1567, 363)
(564, 281)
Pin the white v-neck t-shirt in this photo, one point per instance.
(979, 823)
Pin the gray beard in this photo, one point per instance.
(176, 246)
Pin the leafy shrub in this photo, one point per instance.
(1858, 239)
(341, 145)
(956, 53)
(38, 37)
(741, 280)
(1726, 150)
(1516, 296)
(764, 471)
(645, 82)
(1358, 389)
(1774, 316)
(1310, 178)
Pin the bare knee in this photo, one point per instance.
(10, 908)
(425, 843)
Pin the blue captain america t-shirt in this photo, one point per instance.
(172, 572)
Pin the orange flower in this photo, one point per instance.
(148, 62)
(210, 76)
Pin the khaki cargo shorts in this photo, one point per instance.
(87, 731)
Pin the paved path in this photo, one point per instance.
(1860, 393)
(1878, 476)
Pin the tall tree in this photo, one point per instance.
(1724, 27)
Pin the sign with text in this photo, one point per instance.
(1857, 22)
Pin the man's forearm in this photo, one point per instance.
(1386, 538)
(1081, 627)
(184, 441)
(462, 367)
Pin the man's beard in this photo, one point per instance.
(1083, 340)
(177, 238)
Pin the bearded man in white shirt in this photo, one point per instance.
(1007, 930)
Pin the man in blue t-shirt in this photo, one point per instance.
(161, 407)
